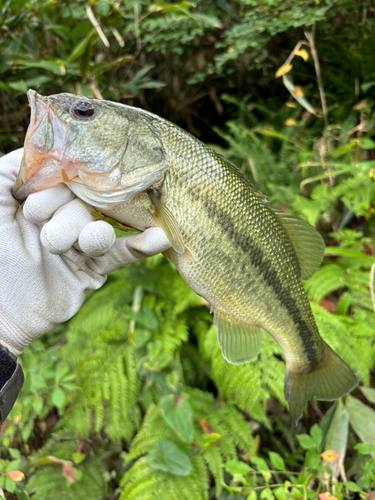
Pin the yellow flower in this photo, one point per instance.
(290, 122)
(283, 70)
(302, 53)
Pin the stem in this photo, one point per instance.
(372, 276)
(310, 39)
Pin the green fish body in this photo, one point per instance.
(244, 258)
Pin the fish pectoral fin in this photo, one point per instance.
(239, 343)
(307, 242)
(168, 223)
(330, 380)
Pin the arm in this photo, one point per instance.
(52, 252)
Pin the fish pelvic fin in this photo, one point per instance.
(239, 343)
(330, 380)
(168, 223)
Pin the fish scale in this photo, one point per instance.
(214, 180)
(246, 259)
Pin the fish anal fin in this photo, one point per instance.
(239, 343)
(330, 380)
(307, 242)
(168, 223)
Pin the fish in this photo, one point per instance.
(231, 247)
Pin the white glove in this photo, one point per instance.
(43, 277)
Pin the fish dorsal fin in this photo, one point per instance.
(239, 343)
(168, 223)
(307, 242)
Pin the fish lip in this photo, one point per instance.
(21, 177)
(39, 164)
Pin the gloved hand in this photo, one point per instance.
(43, 277)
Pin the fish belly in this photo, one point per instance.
(137, 213)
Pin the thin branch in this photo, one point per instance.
(293, 53)
(314, 54)
(96, 25)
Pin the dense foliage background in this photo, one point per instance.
(132, 399)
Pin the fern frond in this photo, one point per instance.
(250, 385)
(142, 482)
(214, 460)
(48, 482)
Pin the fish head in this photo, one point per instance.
(89, 144)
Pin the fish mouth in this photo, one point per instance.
(43, 165)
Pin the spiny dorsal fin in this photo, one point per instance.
(307, 242)
(168, 223)
(239, 343)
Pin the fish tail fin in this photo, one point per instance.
(330, 380)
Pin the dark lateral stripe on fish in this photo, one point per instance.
(248, 246)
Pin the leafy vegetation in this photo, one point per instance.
(132, 399)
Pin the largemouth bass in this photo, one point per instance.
(246, 259)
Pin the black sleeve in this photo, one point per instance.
(11, 382)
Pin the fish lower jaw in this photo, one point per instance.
(41, 171)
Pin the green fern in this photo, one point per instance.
(142, 482)
(48, 482)
(249, 386)
(220, 429)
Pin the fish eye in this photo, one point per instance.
(83, 110)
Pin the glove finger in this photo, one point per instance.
(9, 167)
(96, 238)
(40, 207)
(62, 231)
(131, 249)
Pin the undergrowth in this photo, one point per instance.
(131, 399)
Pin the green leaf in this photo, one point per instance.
(178, 414)
(141, 337)
(272, 133)
(337, 434)
(237, 467)
(145, 317)
(343, 252)
(267, 493)
(262, 467)
(14, 453)
(312, 459)
(369, 394)
(58, 397)
(362, 419)
(277, 461)
(37, 81)
(20, 86)
(22, 495)
(252, 496)
(78, 457)
(306, 441)
(340, 151)
(56, 67)
(317, 435)
(169, 457)
(364, 449)
(10, 485)
(366, 143)
(61, 370)
(281, 494)
(80, 47)
(352, 486)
